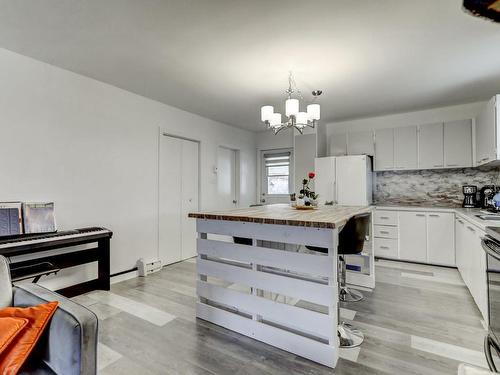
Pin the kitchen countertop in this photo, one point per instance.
(322, 217)
(468, 214)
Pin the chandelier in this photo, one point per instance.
(295, 118)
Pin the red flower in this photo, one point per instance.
(311, 175)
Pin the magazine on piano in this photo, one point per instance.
(11, 222)
(39, 217)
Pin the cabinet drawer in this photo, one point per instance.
(387, 248)
(385, 217)
(385, 231)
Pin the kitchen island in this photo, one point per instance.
(249, 258)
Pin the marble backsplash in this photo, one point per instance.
(438, 187)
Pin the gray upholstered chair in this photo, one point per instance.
(69, 344)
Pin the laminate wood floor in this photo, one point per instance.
(418, 320)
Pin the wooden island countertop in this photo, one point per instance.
(282, 214)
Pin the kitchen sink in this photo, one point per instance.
(490, 217)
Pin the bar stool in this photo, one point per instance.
(351, 241)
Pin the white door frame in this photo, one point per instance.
(237, 175)
(279, 198)
(163, 132)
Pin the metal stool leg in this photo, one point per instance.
(346, 294)
(349, 336)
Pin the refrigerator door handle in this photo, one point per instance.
(335, 192)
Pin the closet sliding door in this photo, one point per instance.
(189, 188)
(178, 195)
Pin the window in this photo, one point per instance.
(276, 172)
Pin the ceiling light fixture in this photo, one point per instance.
(295, 118)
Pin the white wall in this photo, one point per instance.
(266, 140)
(93, 149)
(451, 113)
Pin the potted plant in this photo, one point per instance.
(306, 195)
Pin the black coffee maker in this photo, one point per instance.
(470, 196)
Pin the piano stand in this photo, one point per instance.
(46, 264)
(35, 272)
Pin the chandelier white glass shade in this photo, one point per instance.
(295, 118)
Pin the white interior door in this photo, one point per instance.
(178, 195)
(170, 202)
(226, 178)
(189, 187)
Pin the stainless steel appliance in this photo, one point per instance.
(486, 196)
(470, 196)
(491, 245)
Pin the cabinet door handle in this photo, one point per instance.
(384, 247)
(433, 215)
(438, 165)
(471, 229)
(420, 215)
(460, 221)
(452, 165)
(384, 217)
(384, 232)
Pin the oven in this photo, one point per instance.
(491, 246)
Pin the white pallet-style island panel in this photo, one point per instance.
(239, 285)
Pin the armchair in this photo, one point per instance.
(69, 344)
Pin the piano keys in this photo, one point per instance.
(38, 247)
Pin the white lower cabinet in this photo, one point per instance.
(386, 248)
(417, 236)
(435, 238)
(440, 238)
(471, 262)
(412, 236)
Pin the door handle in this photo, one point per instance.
(420, 215)
(235, 201)
(433, 215)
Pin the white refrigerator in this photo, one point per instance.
(344, 180)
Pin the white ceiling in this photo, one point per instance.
(223, 59)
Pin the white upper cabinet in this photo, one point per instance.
(458, 144)
(384, 149)
(430, 146)
(360, 143)
(338, 144)
(405, 148)
(486, 133)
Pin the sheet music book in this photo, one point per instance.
(39, 217)
(10, 218)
